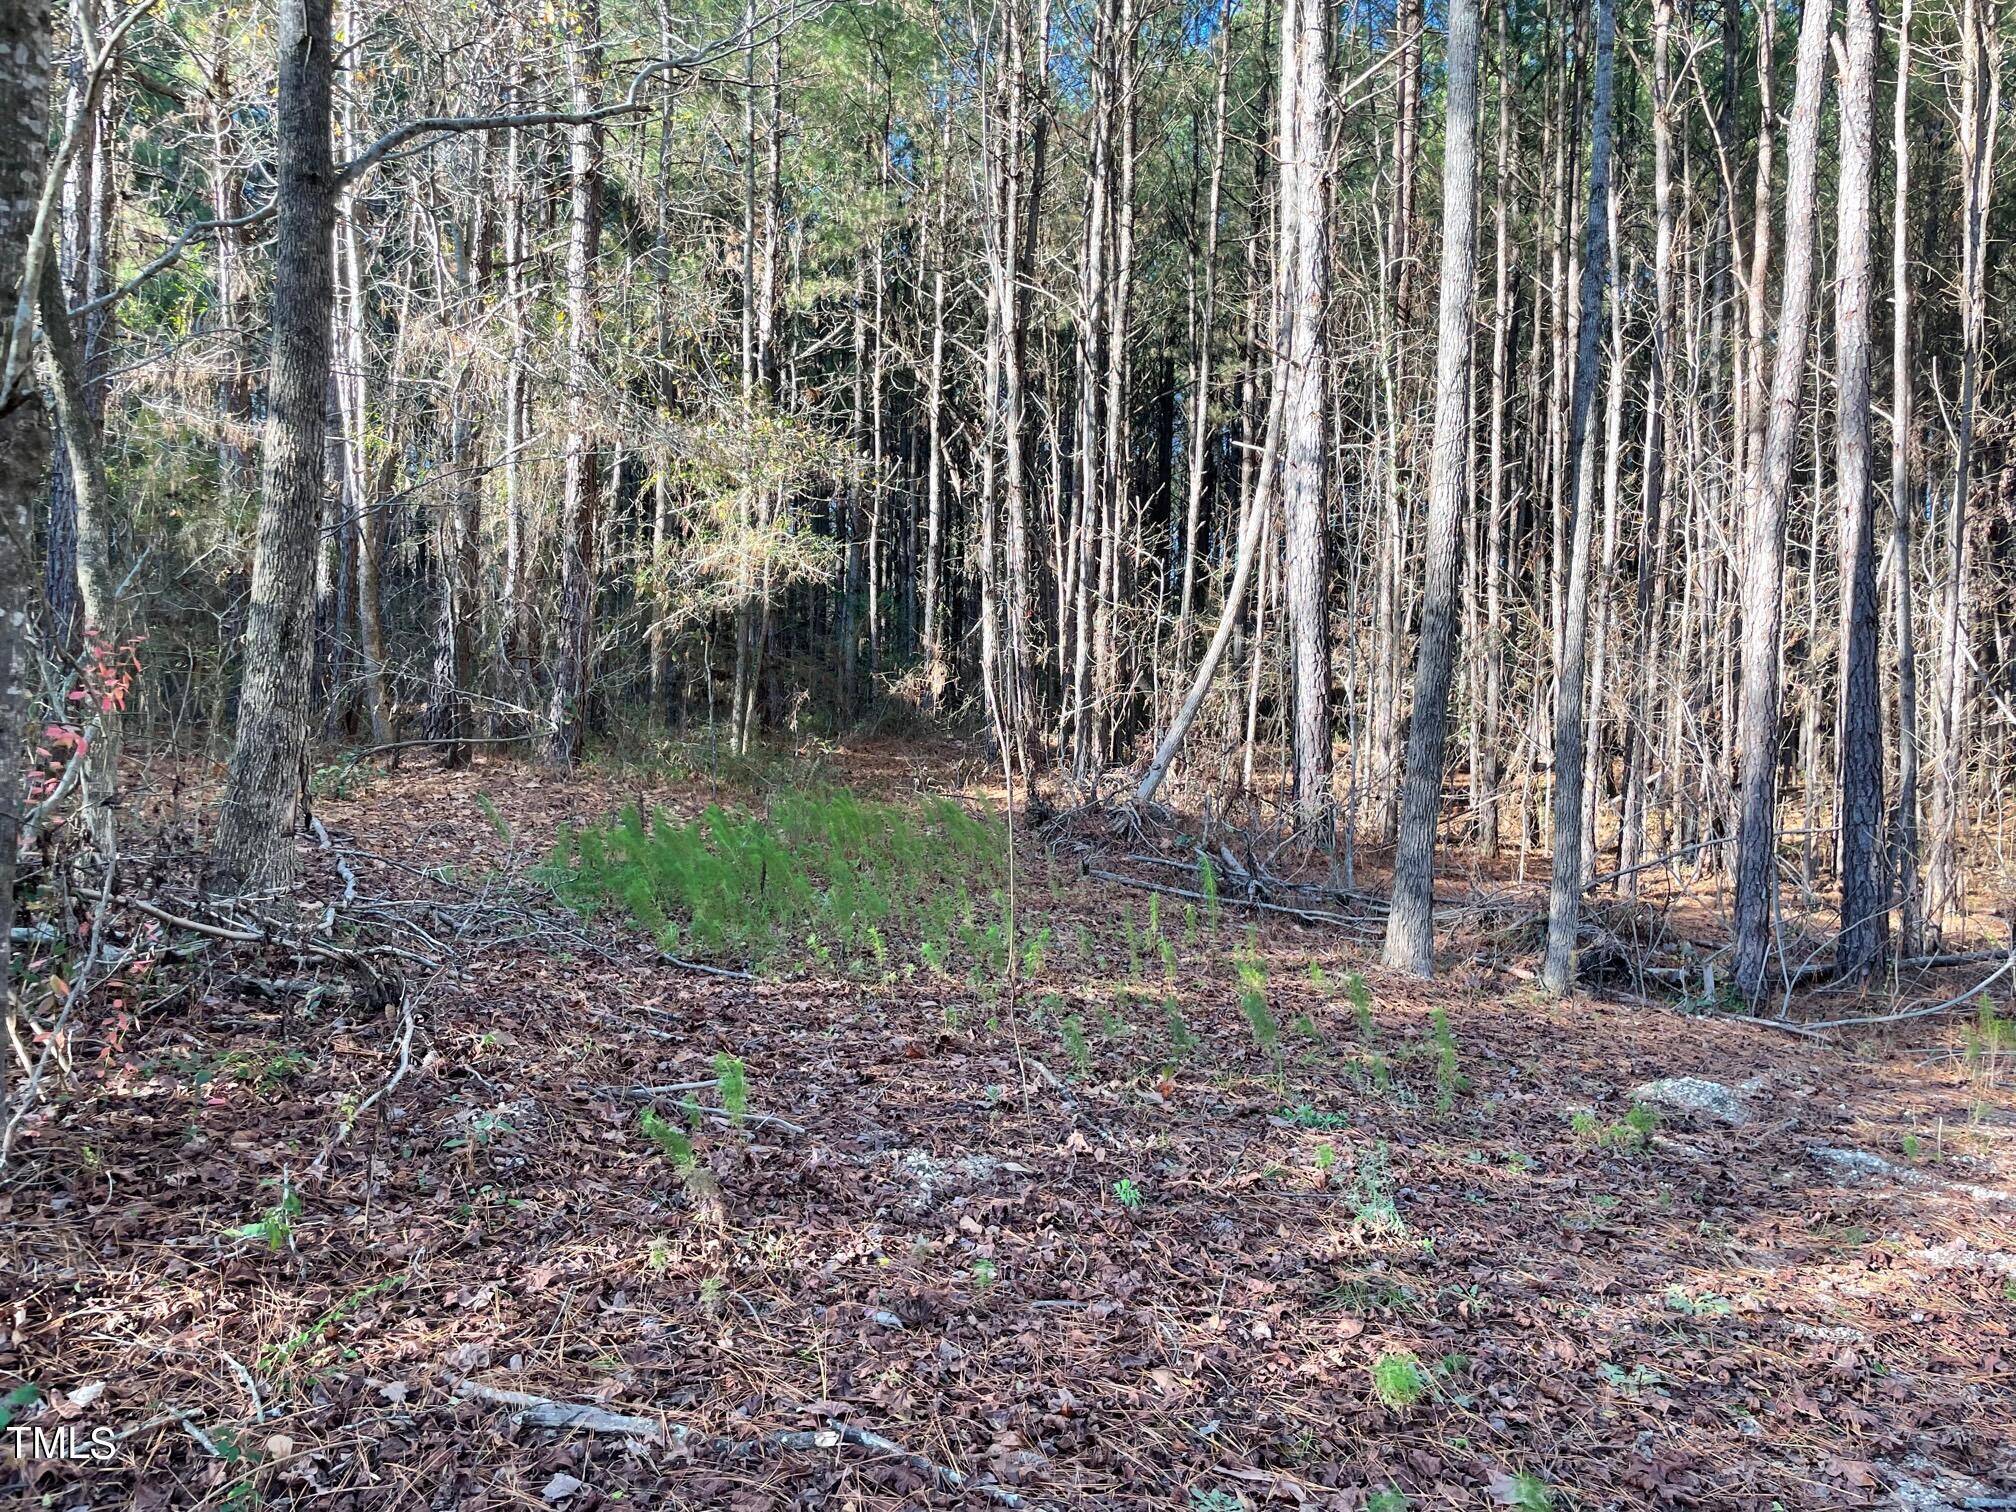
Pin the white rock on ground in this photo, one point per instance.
(1693, 1097)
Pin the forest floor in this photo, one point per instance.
(1081, 1254)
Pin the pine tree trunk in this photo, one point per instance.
(574, 640)
(1410, 936)
(262, 795)
(1858, 948)
(1565, 891)
(25, 44)
(1764, 538)
(1979, 117)
(1304, 142)
(1903, 867)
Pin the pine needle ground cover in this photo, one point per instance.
(1211, 1214)
(822, 878)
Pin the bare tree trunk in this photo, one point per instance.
(24, 440)
(1652, 551)
(516, 627)
(1565, 893)
(262, 795)
(458, 611)
(1764, 538)
(1410, 934)
(1485, 779)
(1858, 948)
(353, 387)
(1304, 283)
(936, 678)
(1250, 534)
(83, 445)
(1200, 372)
(1980, 114)
(574, 642)
(1903, 866)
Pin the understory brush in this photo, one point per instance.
(823, 876)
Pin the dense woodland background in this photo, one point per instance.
(1043, 753)
(1558, 429)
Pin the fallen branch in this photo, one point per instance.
(713, 1115)
(706, 970)
(409, 1003)
(1306, 915)
(543, 1412)
(590, 1417)
(1929, 1010)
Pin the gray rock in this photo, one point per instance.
(1695, 1098)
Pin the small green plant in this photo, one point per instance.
(1127, 1194)
(1631, 1383)
(1035, 950)
(279, 1354)
(1526, 1492)
(276, 1228)
(496, 820)
(263, 1072)
(1388, 1500)
(1375, 1212)
(1448, 1080)
(1326, 1157)
(732, 1082)
(1253, 1001)
(341, 780)
(1913, 1147)
(1207, 884)
(27, 1394)
(1075, 1045)
(1987, 1041)
(1707, 1305)
(671, 1141)
(1211, 1499)
(1181, 1040)
(1361, 1005)
(1634, 1133)
(1189, 923)
(984, 1275)
(1305, 1116)
(1398, 1379)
